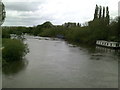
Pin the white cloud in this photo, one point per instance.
(119, 9)
(35, 12)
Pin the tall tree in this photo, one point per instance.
(96, 12)
(103, 12)
(107, 16)
(100, 12)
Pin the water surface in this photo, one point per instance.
(53, 63)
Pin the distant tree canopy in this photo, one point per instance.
(100, 28)
(47, 25)
(100, 14)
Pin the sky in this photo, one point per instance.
(119, 8)
(35, 12)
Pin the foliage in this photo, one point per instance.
(96, 12)
(13, 49)
(97, 29)
(5, 34)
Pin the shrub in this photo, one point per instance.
(5, 34)
(13, 49)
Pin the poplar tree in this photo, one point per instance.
(100, 12)
(103, 12)
(96, 12)
(107, 16)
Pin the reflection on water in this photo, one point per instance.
(108, 50)
(54, 63)
(98, 53)
(113, 53)
(12, 68)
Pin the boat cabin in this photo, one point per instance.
(108, 44)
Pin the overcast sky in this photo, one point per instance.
(34, 12)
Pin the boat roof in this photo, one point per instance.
(107, 41)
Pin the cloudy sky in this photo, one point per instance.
(34, 12)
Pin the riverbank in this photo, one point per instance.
(88, 34)
(54, 63)
(13, 50)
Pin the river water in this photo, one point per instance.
(53, 63)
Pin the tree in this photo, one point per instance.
(96, 12)
(78, 24)
(100, 12)
(107, 16)
(103, 12)
(47, 25)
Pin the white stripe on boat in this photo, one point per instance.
(108, 44)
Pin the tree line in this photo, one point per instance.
(100, 28)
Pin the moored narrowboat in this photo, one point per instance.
(109, 44)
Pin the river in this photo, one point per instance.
(53, 63)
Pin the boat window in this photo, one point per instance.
(111, 44)
(107, 43)
(117, 45)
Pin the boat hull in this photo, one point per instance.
(108, 44)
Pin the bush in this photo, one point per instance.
(13, 49)
(5, 34)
